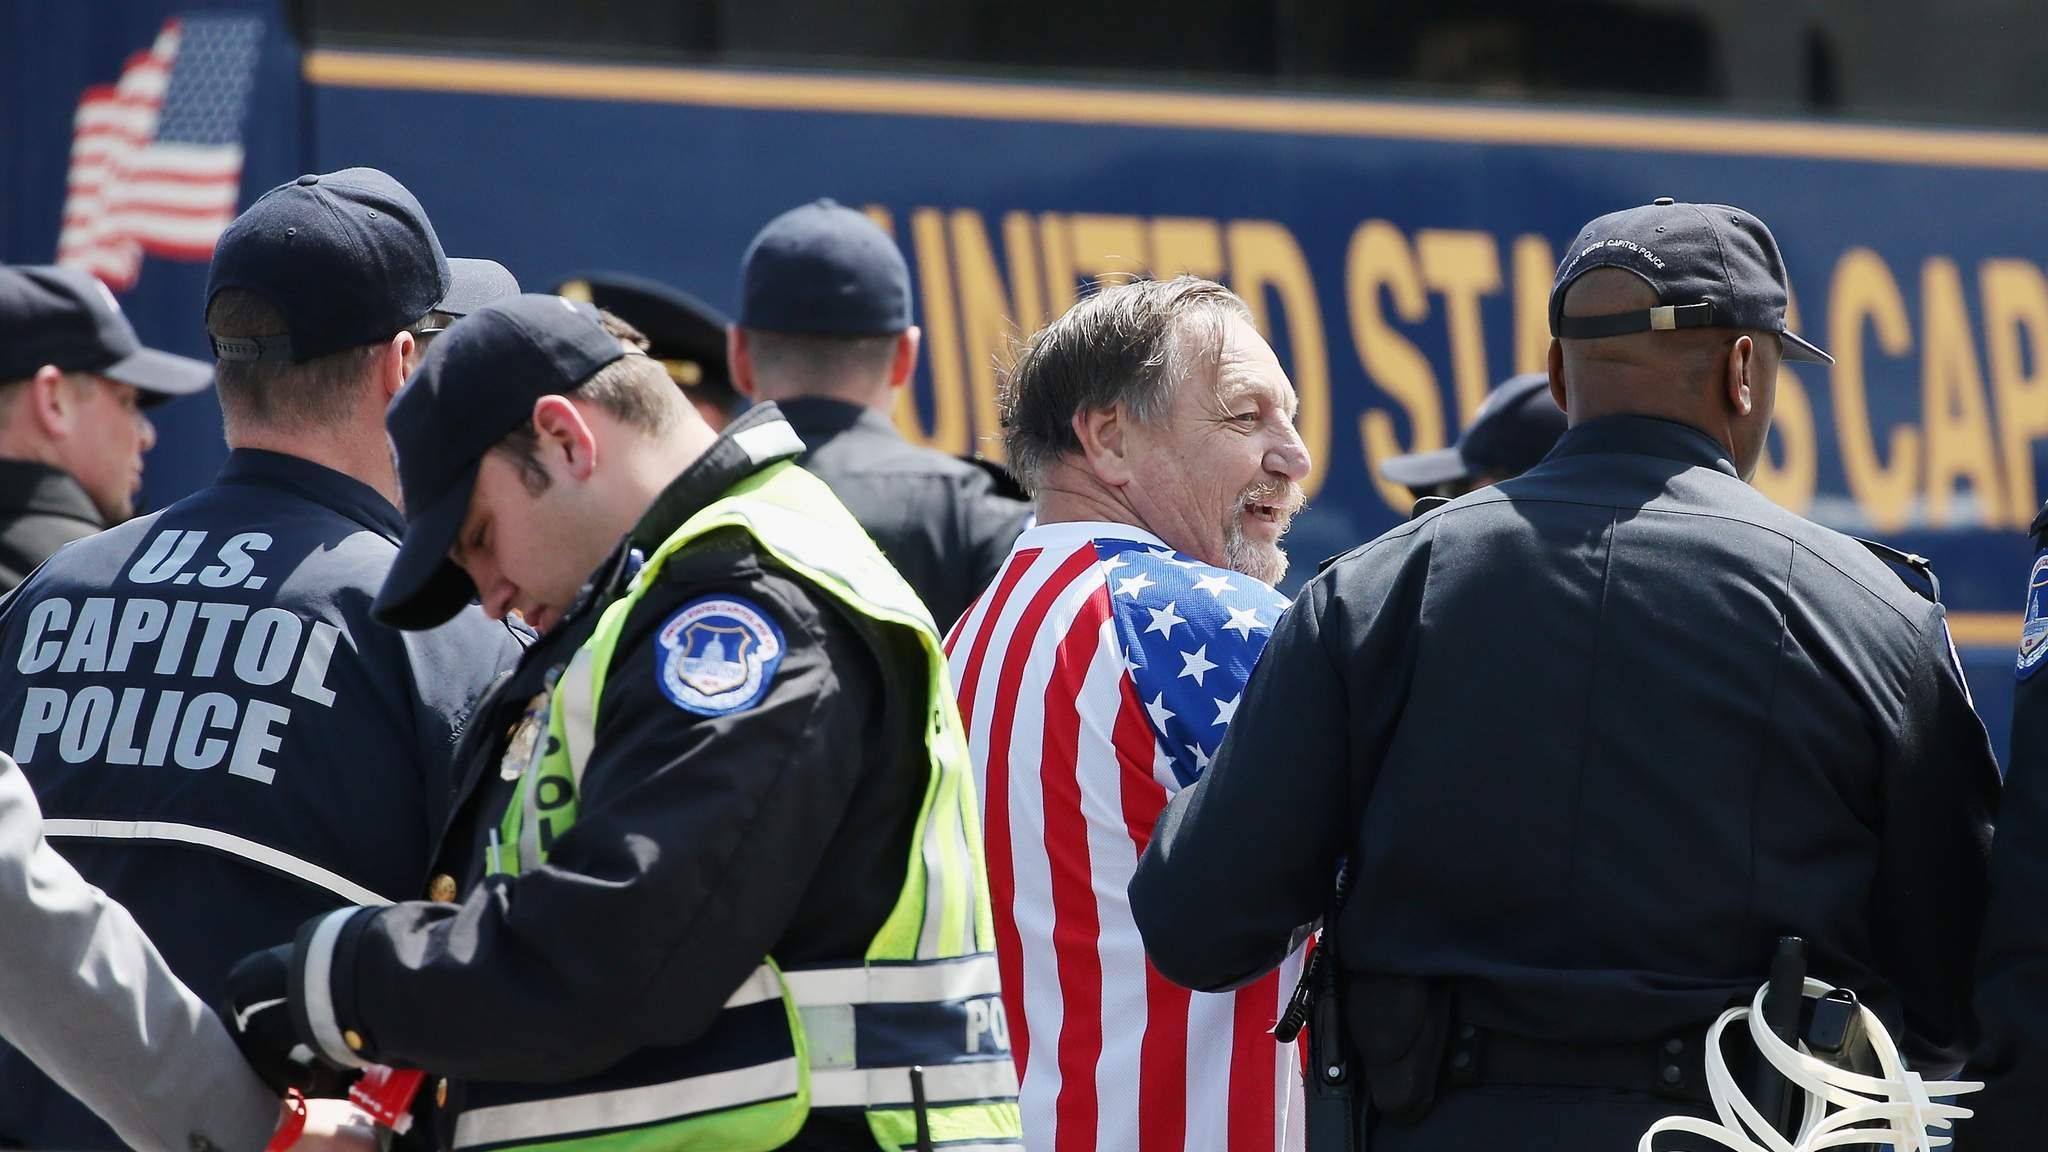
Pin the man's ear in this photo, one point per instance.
(391, 361)
(1104, 434)
(1556, 362)
(566, 438)
(52, 403)
(1741, 362)
(903, 361)
(739, 362)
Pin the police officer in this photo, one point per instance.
(1517, 426)
(74, 383)
(715, 875)
(682, 333)
(2012, 973)
(1710, 723)
(221, 737)
(825, 331)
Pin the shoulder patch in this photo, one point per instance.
(716, 655)
(2034, 624)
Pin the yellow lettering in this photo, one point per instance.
(1792, 483)
(1185, 244)
(1535, 268)
(941, 343)
(1863, 289)
(985, 313)
(1379, 258)
(1062, 283)
(2015, 336)
(1108, 247)
(1264, 255)
(1953, 406)
(1463, 266)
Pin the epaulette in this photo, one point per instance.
(1912, 570)
(2039, 531)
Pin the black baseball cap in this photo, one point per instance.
(1712, 266)
(348, 257)
(826, 270)
(684, 333)
(1517, 426)
(474, 283)
(67, 318)
(476, 384)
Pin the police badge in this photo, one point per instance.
(523, 739)
(716, 655)
(2034, 626)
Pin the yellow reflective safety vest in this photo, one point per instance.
(790, 1040)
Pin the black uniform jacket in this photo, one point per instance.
(2012, 990)
(41, 510)
(937, 518)
(1592, 739)
(702, 844)
(220, 736)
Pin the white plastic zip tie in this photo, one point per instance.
(1894, 1110)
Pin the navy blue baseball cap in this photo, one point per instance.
(474, 283)
(67, 318)
(1517, 426)
(826, 270)
(349, 258)
(1712, 266)
(476, 384)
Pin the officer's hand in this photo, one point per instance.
(336, 1126)
(260, 1020)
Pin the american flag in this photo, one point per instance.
(156, 159)
(1097, 676)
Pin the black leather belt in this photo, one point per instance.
(1673, 1067)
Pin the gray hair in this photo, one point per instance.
(1125, 346)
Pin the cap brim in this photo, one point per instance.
(1805, 351)
(160, 376)
(475, 283)
(424, 589)
(1424, 469)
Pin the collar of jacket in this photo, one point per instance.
(316, 482)
(819, 418)
(1644, 436)
(760, 437)
(38, 489)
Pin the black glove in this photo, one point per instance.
(259, 1016)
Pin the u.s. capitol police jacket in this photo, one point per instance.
(220, 736)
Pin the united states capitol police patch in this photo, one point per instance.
(2034, 627)
(716, 655)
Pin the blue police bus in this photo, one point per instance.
(1388, 183)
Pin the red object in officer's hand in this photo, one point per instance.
(385, 1095)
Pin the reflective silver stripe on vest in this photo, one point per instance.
(626, 1108)
(579, 714)
(929, 982)
(255, 853)
(890, 1087)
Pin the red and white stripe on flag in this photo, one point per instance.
(1110, 1054)
(129, 190)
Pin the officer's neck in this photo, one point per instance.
(345, 450)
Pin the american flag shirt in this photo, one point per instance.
(1096, 675)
